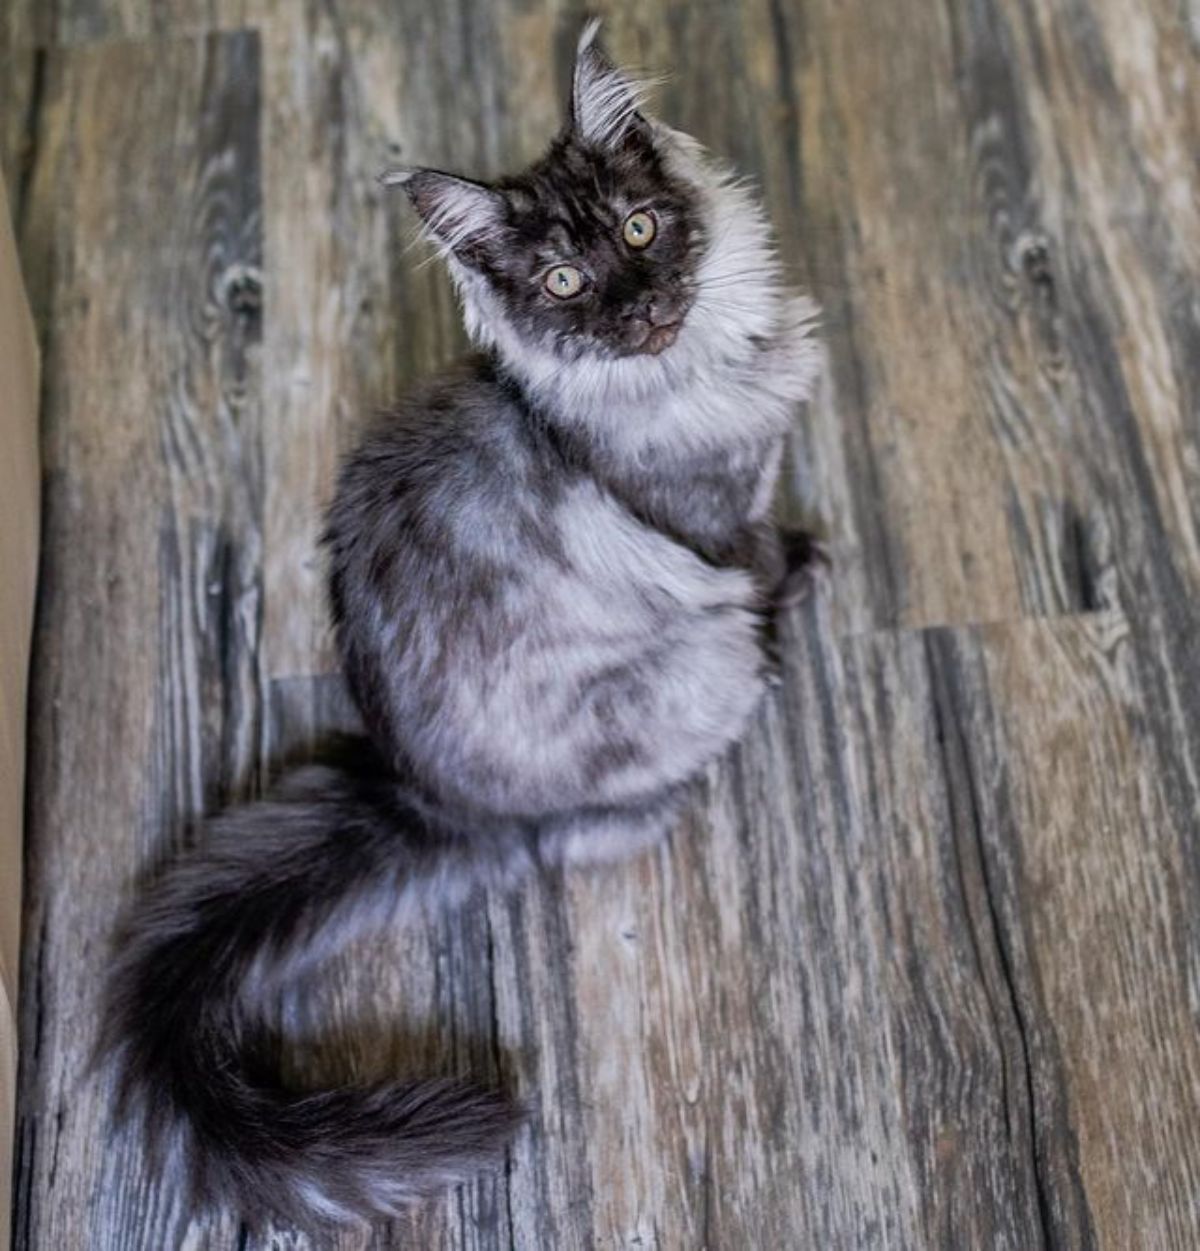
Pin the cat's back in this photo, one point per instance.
(457, 478)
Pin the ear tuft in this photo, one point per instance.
(588, 36)
(604, 99)
(460, 216)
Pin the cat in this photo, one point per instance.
(551, 574)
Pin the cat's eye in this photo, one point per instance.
(564, 281)
(640, 229)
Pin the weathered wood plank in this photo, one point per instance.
(933, 447)
(143, 248)
(21, 80)
(22, 25)
(1086, 850)
(996, 203)
(74, 22)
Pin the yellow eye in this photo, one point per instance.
(639, 230)
(564, 281)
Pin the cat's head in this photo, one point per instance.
(604, 250)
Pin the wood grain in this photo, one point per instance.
(142, 245)
(920, 967)
(985, 197)
(1084, 859)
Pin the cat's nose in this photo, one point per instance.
(663, 311)
(656, 310)
(655, 323)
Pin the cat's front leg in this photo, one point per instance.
(787, 562)
(806, 561)
(787, 565)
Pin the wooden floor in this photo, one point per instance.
(923, 968)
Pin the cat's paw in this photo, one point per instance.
(808, 562)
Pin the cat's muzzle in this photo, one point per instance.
(661, 337)
(657, 326)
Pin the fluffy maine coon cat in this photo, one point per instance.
(550, 575)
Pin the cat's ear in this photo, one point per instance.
(604, 99)
(462, 217)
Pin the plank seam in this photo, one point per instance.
(963, 801)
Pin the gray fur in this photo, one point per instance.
(550, 574)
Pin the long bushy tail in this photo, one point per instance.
(275, 885)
